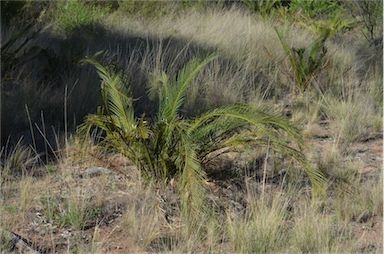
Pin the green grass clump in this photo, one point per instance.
(266, 8)
(74, 210)
(145, 8)
(16, 161)
(75, 14)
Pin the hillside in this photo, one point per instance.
(191, 126)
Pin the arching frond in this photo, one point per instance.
(172, 96)
(191, 187)
(237, 125)
(317, 178)
(264, 122)
(116, 98)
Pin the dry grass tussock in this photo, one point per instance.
(233, 32)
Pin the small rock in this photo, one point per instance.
(66, 234)
(95, 171)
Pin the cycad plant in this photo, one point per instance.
(170, 146)
(306, 62)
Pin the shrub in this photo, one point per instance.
(371, 14)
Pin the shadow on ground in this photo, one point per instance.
(48, 69)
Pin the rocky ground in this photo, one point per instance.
(97, 186)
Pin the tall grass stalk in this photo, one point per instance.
(45, 135)
(31, 128)
(66, 116)
(260, 229)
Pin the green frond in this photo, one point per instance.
(116, 99)
(173, 98)
(191, 188)
(318, 180)
(158, 85)
(239, 125)
(264, 122)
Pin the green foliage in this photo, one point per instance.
(306, 62)
(334, 25)
(10, 208)
(199, 3)
(162, 149)
(76, 215)
(74, 14)
(76, 211)
(145, 8)
(51, 169)
(169, 146)
(155, 9)
(315, 8)
(263, 7)
(50, 206)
